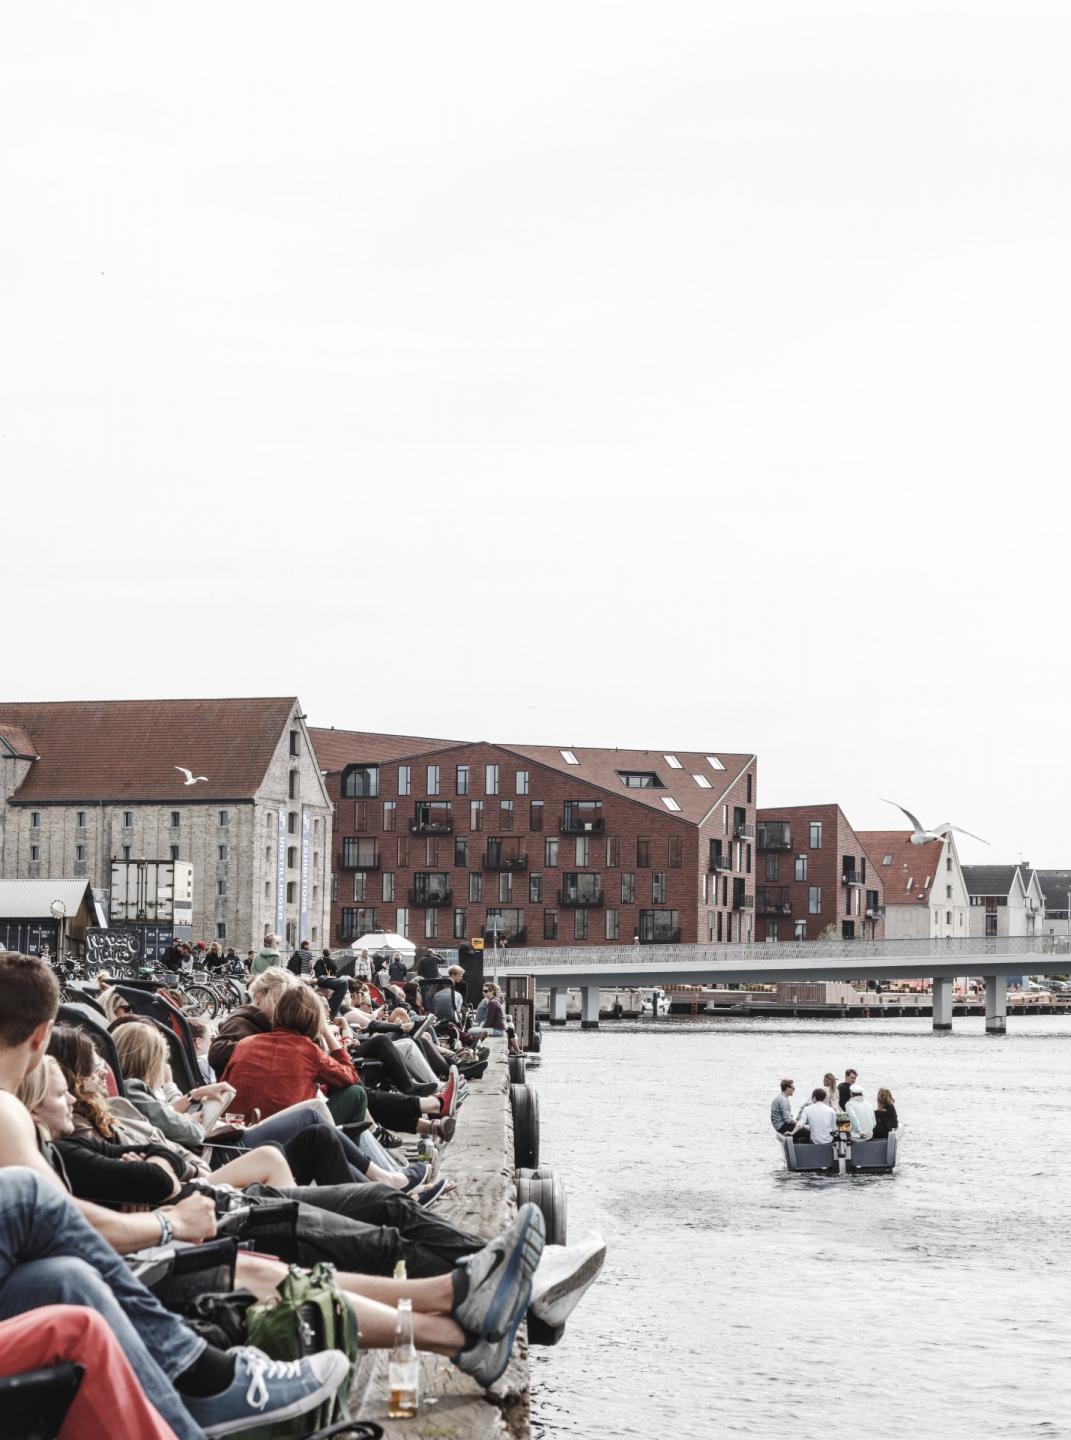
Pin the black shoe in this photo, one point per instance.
(388, 1140)
(421, 1089)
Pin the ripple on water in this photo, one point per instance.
(728, 1280)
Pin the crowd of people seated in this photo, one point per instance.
(817, 1120)
(104, 1158)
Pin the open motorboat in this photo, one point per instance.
(654, 1002)
(843, 1156)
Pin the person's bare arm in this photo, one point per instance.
(192, 1219)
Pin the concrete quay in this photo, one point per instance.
(479, 1160)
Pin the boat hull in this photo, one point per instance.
(868, 1157)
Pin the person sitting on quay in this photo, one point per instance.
(885, 1118)
(816, 1122)
(861, 1113)
(781, 1117)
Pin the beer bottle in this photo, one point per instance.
(404, 1369)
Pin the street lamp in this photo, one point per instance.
(58, 911)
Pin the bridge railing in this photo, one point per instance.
(780, 953)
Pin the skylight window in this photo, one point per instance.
(669, 802)
(910, 881)
(673, 762)
(569, 757)
(701, 781)
(886, 859)
(714, 763)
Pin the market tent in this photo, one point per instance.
(385, 940)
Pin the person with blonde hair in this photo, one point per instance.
(268, 956)
(252, 1019)
(143, 1058)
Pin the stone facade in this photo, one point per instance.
(232, 844)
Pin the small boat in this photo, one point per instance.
(654, 1002)
(843, 1156)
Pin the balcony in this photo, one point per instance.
(517, 938)
(581, 824)
(743, 831)
(721, 863)
(851, 877)
(497, 861)
(346, 933)
(743, 902)
(773, 900)
(358, 859)
(773, 835)
(580, 899)
(436, 825)
(663, 937)
(430, 898)
(876, 912)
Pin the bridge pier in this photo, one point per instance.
(559, 999)
(589, 1015)
(942, 1004)
(996, 1004)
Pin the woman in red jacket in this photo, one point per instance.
(287, 1065)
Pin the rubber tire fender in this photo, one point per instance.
(524, 1102)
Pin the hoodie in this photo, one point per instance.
(264, 960)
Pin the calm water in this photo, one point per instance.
(740, 1300)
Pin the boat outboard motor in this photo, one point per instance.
(842, 1144)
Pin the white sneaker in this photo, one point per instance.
(562, 1276)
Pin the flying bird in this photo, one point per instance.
(191, 778)
(939, 832)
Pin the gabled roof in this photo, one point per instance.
(16, 741)
(601, 768)
(1055, 885)
(30, 899)
(991, 879)
(130, 750)
(335, 749)
(909, 877)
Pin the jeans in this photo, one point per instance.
(304, 1148)
(369, 1228)
(50, 1255)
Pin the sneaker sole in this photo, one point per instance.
(513, 1294)
(570, 1289)
(286, 1412)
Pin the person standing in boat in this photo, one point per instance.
(844, 1089)
(781, 1117)
(885, 1119)
(816, 1122)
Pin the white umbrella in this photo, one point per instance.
(385, 940)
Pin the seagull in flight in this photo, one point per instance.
(939, 832)
(191, 778)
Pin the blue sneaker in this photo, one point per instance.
(264, 1391)
(498, 1280)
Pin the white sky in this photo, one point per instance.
(686, 374)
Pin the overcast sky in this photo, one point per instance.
(687, 375)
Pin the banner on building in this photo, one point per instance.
(303, 928)
(280, 878)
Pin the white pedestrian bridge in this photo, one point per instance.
(590, 967)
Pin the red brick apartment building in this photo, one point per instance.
(446, 840)
(813, 872)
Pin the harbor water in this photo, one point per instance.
(738, 1299)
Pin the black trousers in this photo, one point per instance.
(369, 1228)
(322, 1155)
(381, 1049)
(394, 1111)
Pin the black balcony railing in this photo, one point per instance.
(496, 861)
(875, 912)
(743, 902)
(517, 938)
(743, 831)
(578, 899)
(430, 897)
(662, 937)
(358, 860)
(775, 901)
(770, 836)
(441, 825)
(851, 877)
(581, 824)
(349, 932)
(721, 862)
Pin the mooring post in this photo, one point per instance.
(589, 1017)
(996, 1004)
(942, 1004)
(559, 1000)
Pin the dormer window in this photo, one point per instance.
(640, 780)
(360, 781)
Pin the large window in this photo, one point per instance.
(643, 853)
(461, 852)
(460, 925)
(475, 886)
(535, 815)
(388, 886)
(613, 851)
(490, 779)
(507, 923)
(773, 867)
(461, 780)
(431, 924)
(814, 900)
(628, 888)
(581, 889)
(433, 780)
(814, 831)
(390, 813)
(550, 852)
(360, 886)
(613, 924)
(360, 781)
(505, 814)
(505, 886)
(801, 867)
(659, 926)
(583, 846)
(521, 779)
(475, 814)
(535, 889)
(356, 854)
(550, 924)
(405, 779)
(357, 920)
(580, 924)
(675, 852)
(658, 888)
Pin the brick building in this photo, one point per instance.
(926, 895)
(84, 783)
(813, 874)
(444, 841)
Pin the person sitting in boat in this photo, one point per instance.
(885, 1120)
(861, 1113)
(844, 1089)
(816, 1122)
(781, 1117)
(829, 1084)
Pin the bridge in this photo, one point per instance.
(589, 968)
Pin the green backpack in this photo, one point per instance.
(309, 1315)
